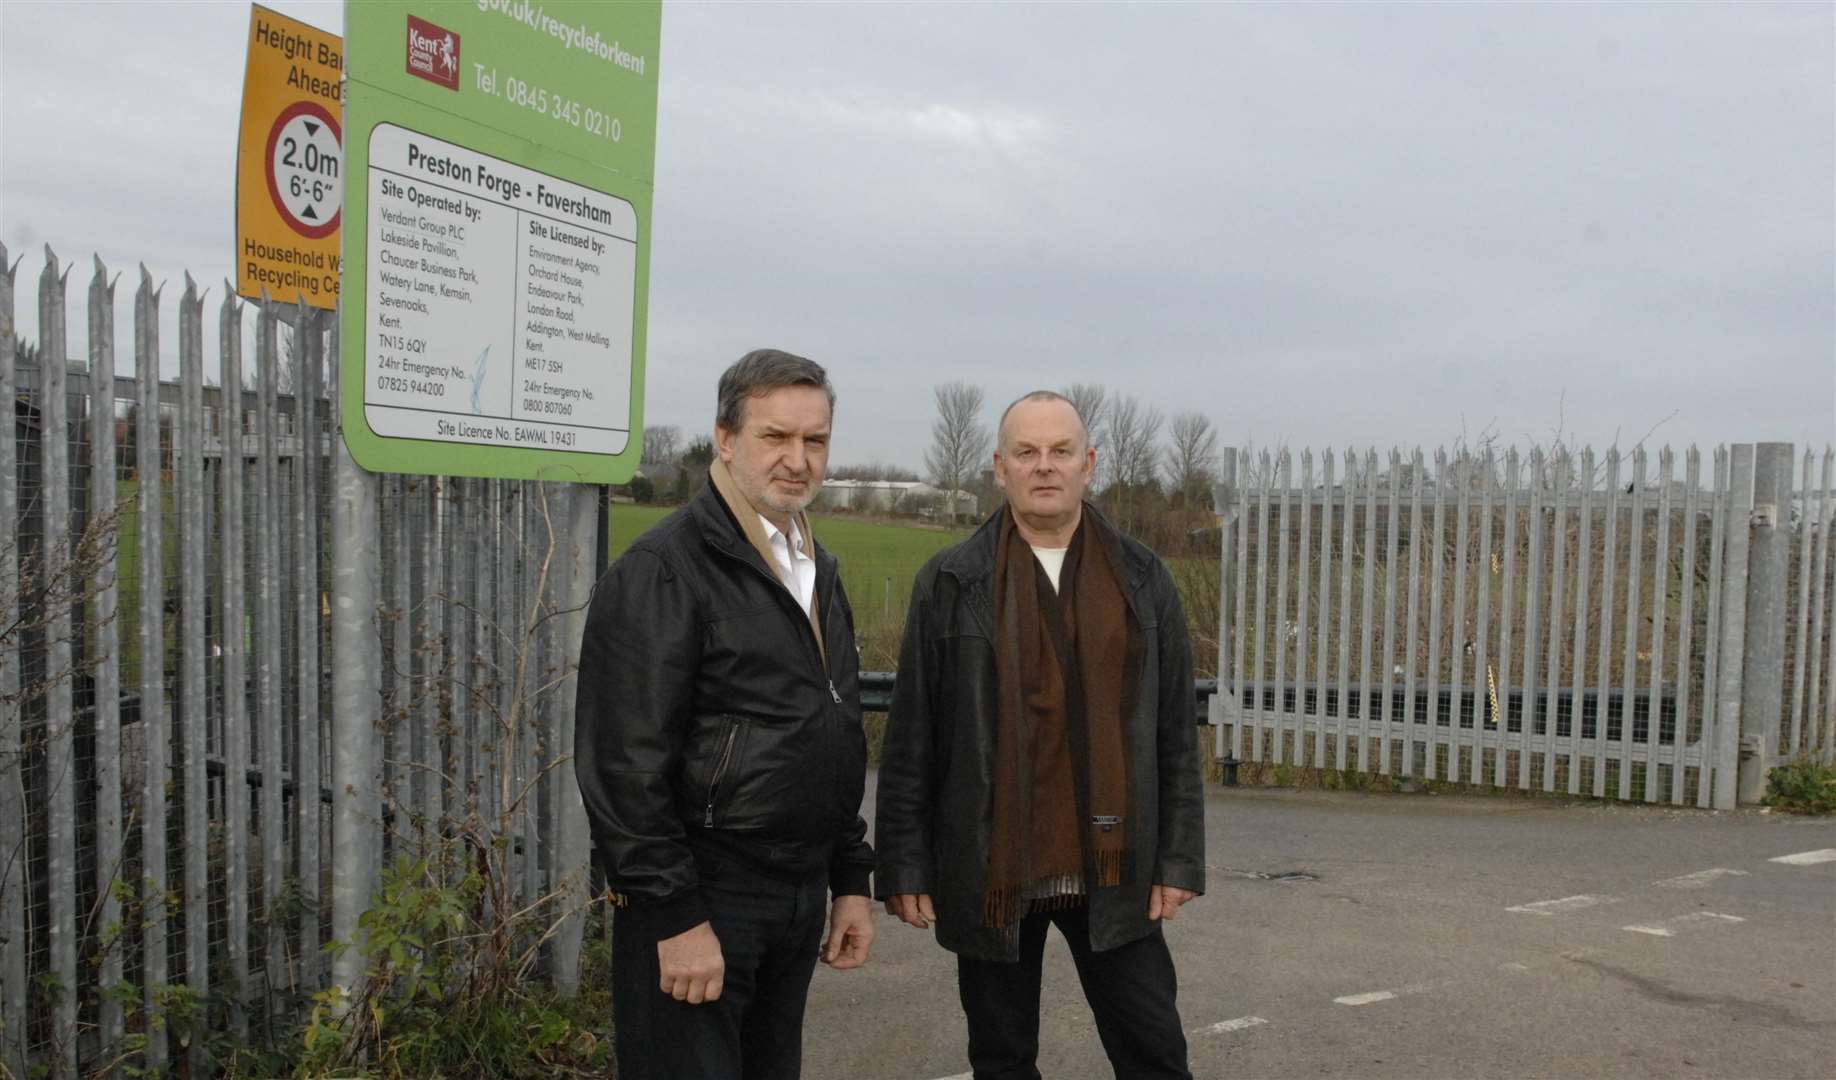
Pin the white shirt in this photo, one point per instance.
(796, 566)
(1053, 559)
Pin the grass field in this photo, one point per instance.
(869, 550)
(879, 560)
(878, 563)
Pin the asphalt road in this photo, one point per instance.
(1438, 937)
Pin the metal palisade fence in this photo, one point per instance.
(240, 676)
(217, 725)
(1562, 622)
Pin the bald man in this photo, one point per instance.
(1040, 766)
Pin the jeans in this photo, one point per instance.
(1132, 991)
(770, 935)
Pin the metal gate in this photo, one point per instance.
(1547, 622)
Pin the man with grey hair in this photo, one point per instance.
(1040, 765)
(720, 753)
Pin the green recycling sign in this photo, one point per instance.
(500, 168)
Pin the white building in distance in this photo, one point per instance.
(895, 497)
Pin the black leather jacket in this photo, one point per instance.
(935, 799)
(706, 718)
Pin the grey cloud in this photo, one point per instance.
(1316, 223)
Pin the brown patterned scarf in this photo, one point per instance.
(1066, 664)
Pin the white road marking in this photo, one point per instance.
(1807, 858)
(1543, 962)
(1700, 879)
(1365, 999)
(1567, 903)
(1225, 1026)
(1669, 927)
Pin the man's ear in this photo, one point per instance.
(723, 443)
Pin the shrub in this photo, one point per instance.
(447, 991)
(1803, 786)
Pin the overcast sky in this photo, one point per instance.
(1370, 224)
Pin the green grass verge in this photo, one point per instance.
(878, 563)
(870, 551)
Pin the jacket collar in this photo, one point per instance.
(728, 521)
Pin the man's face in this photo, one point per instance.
(1043, 461)
(780, 454)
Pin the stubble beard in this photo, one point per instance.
(789, 504)
(777, 503)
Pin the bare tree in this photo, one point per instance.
(1092, 403)
(959, 440)
(1133, 431)
(662, 444)
(1190, 456)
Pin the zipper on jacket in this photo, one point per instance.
(720, 769)
(815, 653)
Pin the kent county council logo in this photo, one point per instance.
(433, 53)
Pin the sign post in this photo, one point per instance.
(500, 168)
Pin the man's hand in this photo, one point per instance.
(913, 909)
(850, 932)
(692, 965)
(1164, 901)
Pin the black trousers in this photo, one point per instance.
(770, 935)
(1132, 991)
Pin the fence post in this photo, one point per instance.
(60, 712)
(192, 714)
(1227, 705)
(308, 479)
(235, 611)
(356, 689)
(1762, 695)
(107, 637)
(571, 870)
(1732, 646)
(12, 776)
(156, 723)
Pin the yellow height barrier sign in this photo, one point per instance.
(290, 162)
